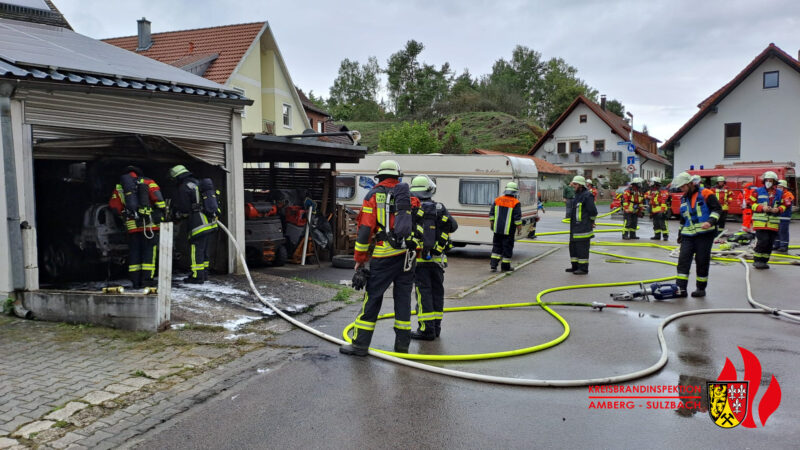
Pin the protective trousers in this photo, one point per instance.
(660, 226)
(429, 280)
(383, 272)
(782, 242)
(579, 254)
(502, 248)
(142, 257)
(199, 256)
(699, 248)
(629, 225)
(765, 240)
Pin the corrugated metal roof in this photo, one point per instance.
(49, 53)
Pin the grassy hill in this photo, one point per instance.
(487, 130)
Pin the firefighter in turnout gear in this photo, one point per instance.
(139, 201)
(700, 211)
(386, 220)
(632, 200)
(581, 226)
(433, 226)
(505, 218)
(190, 204)
(724, 195)
(659, 209)
(782, 243)
(590, 187)
(768, 203)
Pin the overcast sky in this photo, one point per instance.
(659, 57)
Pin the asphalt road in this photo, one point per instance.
(327, 400)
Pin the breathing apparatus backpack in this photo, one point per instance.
(397, 202)
(429, 230)
(208, 198)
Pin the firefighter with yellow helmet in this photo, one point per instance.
(505, 219)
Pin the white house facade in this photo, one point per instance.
(591, 141)
(753, 118)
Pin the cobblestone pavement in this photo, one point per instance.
(77, 386)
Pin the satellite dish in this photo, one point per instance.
(549, 149)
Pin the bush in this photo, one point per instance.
(416, 136)
(617, 179)
(453, 142)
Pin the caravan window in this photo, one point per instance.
(345, 188)
(527, 191)
(477, 192)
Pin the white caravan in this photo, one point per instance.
(466, 184)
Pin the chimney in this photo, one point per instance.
(602, 99)
(145, 40)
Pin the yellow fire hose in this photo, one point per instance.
(403, 359)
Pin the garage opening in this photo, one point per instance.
(80, 239)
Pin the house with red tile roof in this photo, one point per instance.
(752, 118)
(585, 140)
(244, 57)
(550, 175)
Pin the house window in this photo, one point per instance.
(287, 116)
(562, 147)
(733, 140)
(319, 126)
(477, 192)
(240, 91)
(600, 146)
(575, 147)
(770, 80)
(583, 118)
(587, 174)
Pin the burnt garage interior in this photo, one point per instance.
(285, 172)
(75, 172)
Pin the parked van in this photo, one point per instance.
(736, 176)
(466, 184)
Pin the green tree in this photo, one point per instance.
(415, 88)
(560, 87)
(408, 137)
(354, 93)
(318, 101)
(453, 141)
(616, 107)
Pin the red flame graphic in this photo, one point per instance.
(752, 373)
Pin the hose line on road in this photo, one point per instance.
(390, 356)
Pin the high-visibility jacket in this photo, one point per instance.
(631, 201)
(762, 198)
(787, 214)
(582, 215)
(700, 206)
(659, 200)
(594, 193)
(505, 215)
(122, 200)
(724, 196)
(376, 215)
(188, 204)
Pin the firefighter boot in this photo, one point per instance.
(699, 293)
(666, 237)
(573, 268)
(360, 344)
(136, 279)
(625, 235)
(582, 269)
(402, 339)
(633, 235)
(657, 237)
(426, 332)
(506, 267)
(437, 324)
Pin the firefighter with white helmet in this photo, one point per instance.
(700, 211)
(659, 207)
(632, 200)
(581, 226)
(768, 203)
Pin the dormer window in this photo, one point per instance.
(582, 118)
(771, 80)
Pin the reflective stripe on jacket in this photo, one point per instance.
(702, 207)
(762, 198)
(723, 195)
(582, 215)
(374, 216)
(505, 215)
(631, 200)
(658, 200)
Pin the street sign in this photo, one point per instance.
(631, 168)
(623, 143)
(631, 159)
(631, 147)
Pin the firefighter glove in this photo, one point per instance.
(360, 278)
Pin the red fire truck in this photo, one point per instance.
(737, 175)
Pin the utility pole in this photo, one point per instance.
(631, 140)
